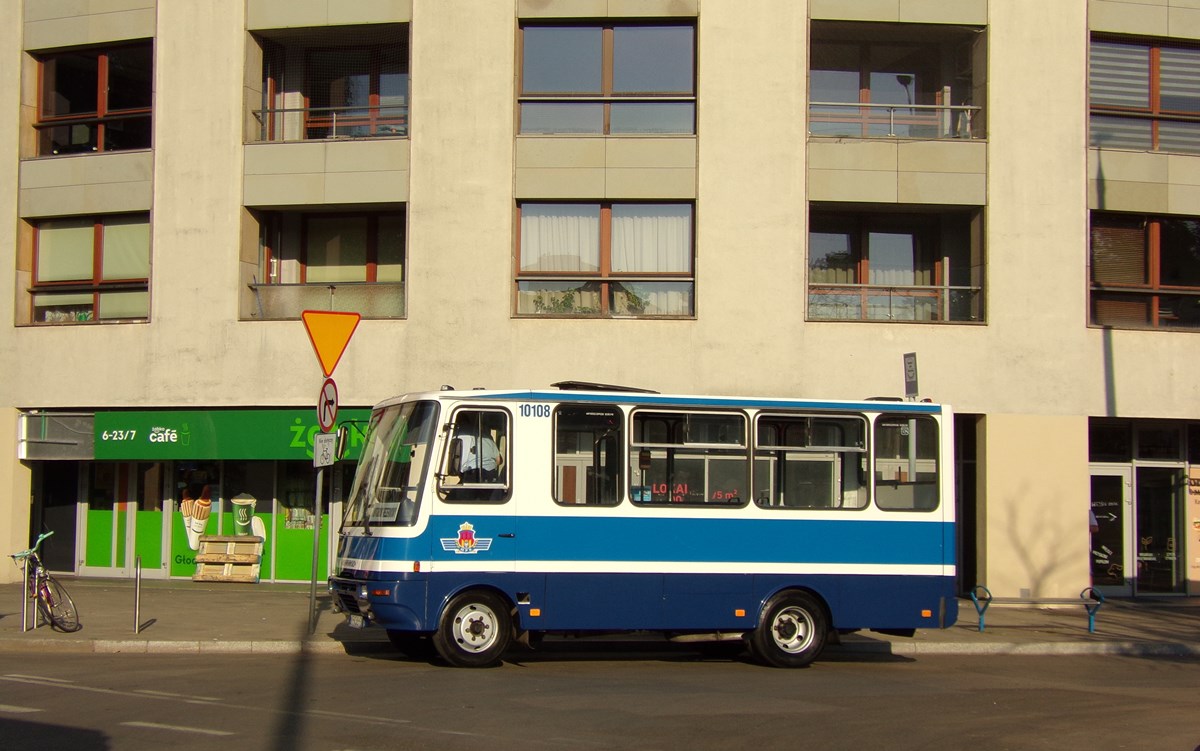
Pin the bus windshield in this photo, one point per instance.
(391, 472)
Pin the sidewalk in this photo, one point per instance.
(185, 617)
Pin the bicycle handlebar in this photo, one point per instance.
(26, 553)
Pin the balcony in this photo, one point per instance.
(915, 121)
(285, 302)
(872, 302)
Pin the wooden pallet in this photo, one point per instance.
(228, 558)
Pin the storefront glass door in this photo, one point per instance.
(1159, 499)
(122, 520)
(1111, 553)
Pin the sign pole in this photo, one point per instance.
(312, 591)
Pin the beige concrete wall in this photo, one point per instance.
(1149, 182)
(282, 14)
(66, 23)
(607, 8)
(1163, 18)
(606, 168)
(905, 11)
(889, 171)
(1034, 476)
(316, 173)
(88, 184)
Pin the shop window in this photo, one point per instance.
(343, 82)
(896, 80)
(619, 79)
(95, 100)
(810, 461)
(689, 458)
(1145, 272)
(874, 266)
(1144, 95)
(588, 446)
(906, 463)
(1110, 441)
(91, 269)
(345, 261)
(605, 260)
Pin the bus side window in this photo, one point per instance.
(810, 461)
(588, 450)
(475, 467)
(906, 463)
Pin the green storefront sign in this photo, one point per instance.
(221, 434)
(188, 436)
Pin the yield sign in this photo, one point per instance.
(329, 333)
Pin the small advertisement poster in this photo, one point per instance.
(1192, 519)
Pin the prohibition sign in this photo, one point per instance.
(327, 406)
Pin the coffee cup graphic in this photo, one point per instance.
(243, 514)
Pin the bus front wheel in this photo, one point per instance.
(475, 630)
(791, 633)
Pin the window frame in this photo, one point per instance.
(495, 492)
(373, 120)
(604, 277)
(558, 489)
(933, 245)
(104, 116)
(271, 238)
(900, 482)
(97, 285)
(642, 496)
(1152, 292)
(762, 450)
(606, 97)
(1154, 112)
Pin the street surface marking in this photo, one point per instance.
(20, 676)
(177, 728)
(12, 709)
(170, 695)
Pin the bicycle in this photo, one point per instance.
(53, 602)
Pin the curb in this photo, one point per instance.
(1122, 648)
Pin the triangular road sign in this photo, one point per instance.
(329, 333)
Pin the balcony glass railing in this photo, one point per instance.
(869, 302)
(918, 121)
(273, 302)
(314, 123)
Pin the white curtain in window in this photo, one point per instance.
(560, 237)
(651, 238)
(126, 248)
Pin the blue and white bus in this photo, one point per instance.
(480, 517)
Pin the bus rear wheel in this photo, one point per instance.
(475, 630)
(791, 633)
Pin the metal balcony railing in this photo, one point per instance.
(315, 123)
(874, 302)
(918, 121)
(273, 302)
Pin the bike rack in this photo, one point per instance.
(25, 598)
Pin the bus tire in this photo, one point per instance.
(475, 630)
(792, 631)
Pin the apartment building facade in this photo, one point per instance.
(697, 196)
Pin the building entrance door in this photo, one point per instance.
(1159, 501)
(1112, 531)
(122, 519)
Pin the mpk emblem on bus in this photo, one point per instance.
(466, 543)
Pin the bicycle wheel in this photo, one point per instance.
(56, 606)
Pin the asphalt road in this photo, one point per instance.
(595, 698)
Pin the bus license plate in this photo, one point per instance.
(355, 620)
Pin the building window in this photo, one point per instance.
(91, 269)
(874, 266)
(1144, 96)
(616, 79)
(347, 82)
(1145, 272)
(896, 80)
(95, 100)
(346, 261)
(605, 259)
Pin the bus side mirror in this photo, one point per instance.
(343, 441)
(644, 459)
